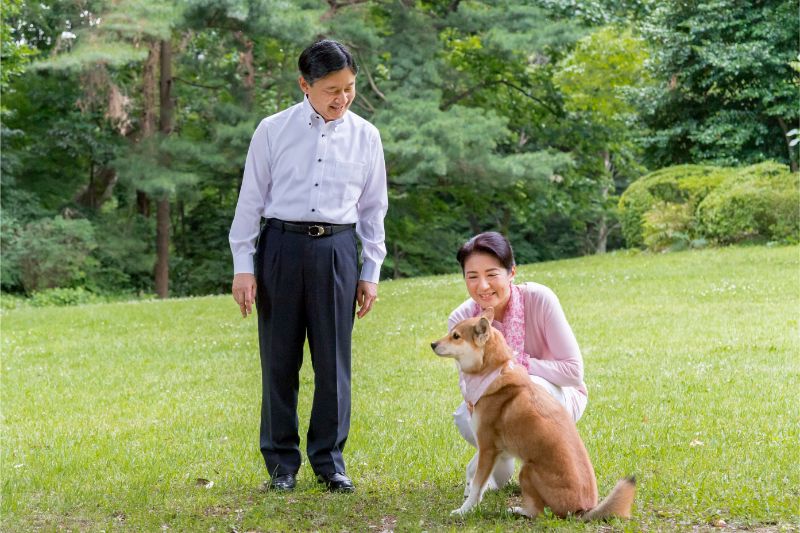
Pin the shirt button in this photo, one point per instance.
(319, 160)
(313, 209)
(323, 135)
(316, 185)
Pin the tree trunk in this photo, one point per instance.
(247, 69)
(162, 248)
(602, 225)
(397, 255)
(101, 185)
(792, 161)
(148, 113)
(473, 223)
(162, 212)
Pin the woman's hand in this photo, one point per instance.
(244, 292)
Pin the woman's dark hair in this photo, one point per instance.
(489, 242)
(324, 57)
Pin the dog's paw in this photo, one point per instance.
(519, 511)
(461, 511)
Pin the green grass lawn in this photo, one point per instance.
(111, 412)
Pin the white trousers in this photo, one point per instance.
(569, 397)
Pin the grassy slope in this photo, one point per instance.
(111, 412)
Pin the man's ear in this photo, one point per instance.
(304, 86)
(488, 313)
(481, 331)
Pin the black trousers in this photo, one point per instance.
(306, 286)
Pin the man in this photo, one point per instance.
(316, 173)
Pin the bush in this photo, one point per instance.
(668, 226)
(722, 205)
(10, 274)
(683, 184)
(759, 204)
(53, 252)
(125, 255)
(63, 297)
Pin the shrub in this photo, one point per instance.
(10, 275)
(668, 226)
(683, 184)
(760, 203)
(721, 205)
(54, 252)
(124, 255)
(63, 297)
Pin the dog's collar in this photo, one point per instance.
(473, 386)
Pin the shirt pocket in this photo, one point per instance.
(348, 180)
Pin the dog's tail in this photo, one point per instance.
(617, 504)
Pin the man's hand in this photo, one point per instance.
(366, 294)
(244, 292)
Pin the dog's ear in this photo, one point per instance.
(481, 331)
(488, 313)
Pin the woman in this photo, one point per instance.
(530, 318)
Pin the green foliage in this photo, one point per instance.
(519, 117)
(52, 252)
(726, 92)
(124, 255)
(603, 67)
(760, 203)
(673, 206)
(202, 262)
(63, 297)
(683, 184)
(16, 54)
(667, 226)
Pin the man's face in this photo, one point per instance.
(332, 95)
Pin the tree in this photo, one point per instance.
(725, 92)
(112, 39)
(596, 80)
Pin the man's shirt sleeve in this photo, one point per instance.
(252, 198)
(372, 207)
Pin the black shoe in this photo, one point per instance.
(283, 483)
(337, 482)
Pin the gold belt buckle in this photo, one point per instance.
(316, 231)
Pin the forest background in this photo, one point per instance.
(125, 125)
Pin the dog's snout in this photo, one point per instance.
(434, 345)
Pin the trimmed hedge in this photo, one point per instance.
(720, 205)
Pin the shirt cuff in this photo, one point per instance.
(370, 271)
(243, 264)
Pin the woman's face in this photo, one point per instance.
(488, 281)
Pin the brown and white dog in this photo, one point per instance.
(517, 417)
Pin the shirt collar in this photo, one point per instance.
(315, 118)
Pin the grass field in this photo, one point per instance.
(112, 412)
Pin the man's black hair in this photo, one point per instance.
(324, 57)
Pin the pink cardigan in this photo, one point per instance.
(549, 341)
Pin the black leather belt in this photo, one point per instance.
(314, 229)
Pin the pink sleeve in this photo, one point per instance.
(555, 355)
(462, 312)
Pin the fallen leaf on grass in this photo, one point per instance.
(201, 482)
(696, 442)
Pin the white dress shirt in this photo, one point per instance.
(301, 169)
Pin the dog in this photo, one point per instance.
(518, 417)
